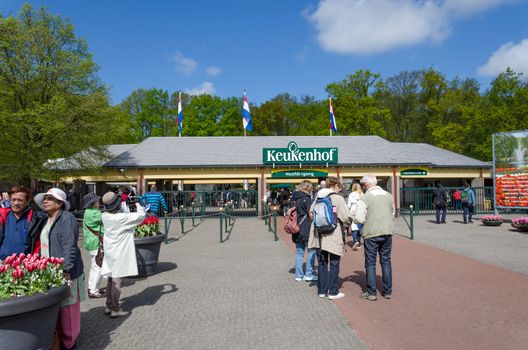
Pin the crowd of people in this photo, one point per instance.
(367, 212)
(53, 232)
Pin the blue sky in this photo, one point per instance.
(276, 46)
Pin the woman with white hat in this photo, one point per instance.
(120, 252)
(58, 238)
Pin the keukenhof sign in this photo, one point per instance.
(296, 155)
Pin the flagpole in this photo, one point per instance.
(330, 121)
(243, 127)
(178, 116)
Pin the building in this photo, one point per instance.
(258, 162)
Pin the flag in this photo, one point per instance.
(333, 125)
(246, 116)
(180, 115)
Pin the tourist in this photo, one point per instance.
(58, 238)
(331, 246)
(120, 253)
(440, 203)
(5, 202)
(467, 198)
(303, 202)
(353, 199)
(19, 217)
(93, 237)
(154, 200)
(376, 210)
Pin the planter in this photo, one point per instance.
(492, 223)
(28, 323)
(147, 254)
(521, 227)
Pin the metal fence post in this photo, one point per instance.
(221, 226)
(182, 218)
(275, 223)
(193, 214)
(166, 229)
(411, 221)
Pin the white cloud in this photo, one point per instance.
(205, 88)
(184, 65)
(510, 55)
(213, 71)
(374, 26)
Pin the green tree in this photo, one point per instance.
(357, 107)
(52, 104)
(150, 113)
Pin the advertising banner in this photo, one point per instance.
(510, 164)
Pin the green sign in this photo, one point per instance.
(296, 155)
(299, 173)
(413, 172)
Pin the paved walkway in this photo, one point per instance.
(239, 294)
(443, 300)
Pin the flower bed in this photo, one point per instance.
(520, 223)
(149, 227)
(492, 220)
(22, 275)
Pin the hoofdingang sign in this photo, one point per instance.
(295, 155)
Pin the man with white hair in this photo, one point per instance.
(375, 210)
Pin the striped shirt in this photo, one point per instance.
(154, 199)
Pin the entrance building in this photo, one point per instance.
(260, 162)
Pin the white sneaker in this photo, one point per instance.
(337, 296)
(356, 245)
(322, 295)
(313, 278)
(298, 279)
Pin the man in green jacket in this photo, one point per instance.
(375, 210)
(92, 222)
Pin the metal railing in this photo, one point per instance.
(244, 203)
(404, 212)
(422, 199)
(269, 216)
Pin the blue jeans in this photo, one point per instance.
(328, 282)
(299, 258)
(383, 245)
(442, 210)
(356, 234)
(468, 212)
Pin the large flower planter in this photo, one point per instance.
(521, 227)
(147, 254)
(28, 323)
(491, 223)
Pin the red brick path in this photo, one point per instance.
(440, 301)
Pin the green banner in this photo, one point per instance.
(299, 174)
(413, 172)
(295, 155)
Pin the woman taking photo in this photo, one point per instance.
(58, 238)
(120, 253)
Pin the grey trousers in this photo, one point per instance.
(113, 293)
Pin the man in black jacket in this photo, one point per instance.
(19, 225)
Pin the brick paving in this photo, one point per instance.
(240, 294)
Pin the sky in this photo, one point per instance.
(290, 46)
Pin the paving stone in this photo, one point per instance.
(239, 294)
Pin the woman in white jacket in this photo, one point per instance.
(120, 253)
(353, 199)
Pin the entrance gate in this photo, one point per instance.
(241, 203)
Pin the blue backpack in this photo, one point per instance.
(324, 218)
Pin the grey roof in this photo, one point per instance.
(92, 157)
(179, 152)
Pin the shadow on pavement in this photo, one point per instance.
(97, 334)
(149, 296)
(360, 279)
